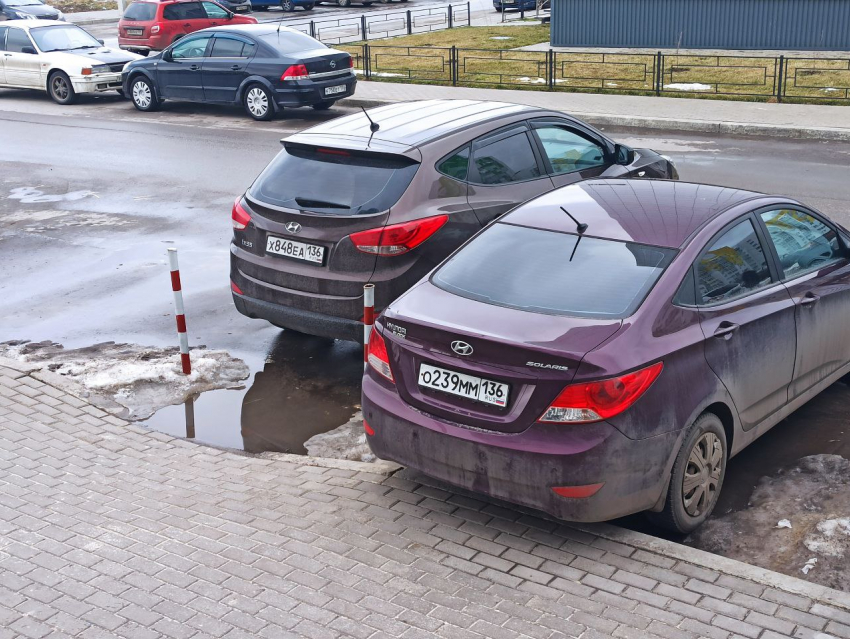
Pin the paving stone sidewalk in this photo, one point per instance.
(110, 530)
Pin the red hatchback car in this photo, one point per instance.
(152, 26)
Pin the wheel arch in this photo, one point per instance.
(135, 73)
(255, 79)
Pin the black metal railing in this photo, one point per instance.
(736, 76)
(381, 25)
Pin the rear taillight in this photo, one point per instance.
(593, 401)
(377, 355)
(351, 62)
(398, 238)
(155, 29)
(295, 72)
(240, 216)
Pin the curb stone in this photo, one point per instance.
(673, 124)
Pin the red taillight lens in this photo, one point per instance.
(593, 401)
(235, 288)
(378, 357)
(155, 29)
(577, 492)
(240, 216)
(398, 238)
(369, 430)
(295, 72)
(351, 62)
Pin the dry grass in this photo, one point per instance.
(482, 61)
(74, 6)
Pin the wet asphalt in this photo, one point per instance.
(92, 195)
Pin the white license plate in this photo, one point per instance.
(296, 250)
(475, 388)
(340, 88)
(135, 31)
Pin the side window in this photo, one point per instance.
(193, 48)
(226, 48)
(248, 50)
(174, 12)
(802, 242)
(194, 11)
(456, 165)
(16, 40)
(508, 160)
(214, 11)
(733, 266)
(567, 150)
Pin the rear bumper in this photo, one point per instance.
(300, 320)
(309, 92)
(522, 468)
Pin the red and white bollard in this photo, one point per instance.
(368, 317)
(179, 311)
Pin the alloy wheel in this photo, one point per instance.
(257, 102)
(142, 95)
(702, 475)
(60, 87)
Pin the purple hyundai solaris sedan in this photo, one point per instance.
(605, 348)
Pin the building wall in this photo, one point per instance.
(703, 24)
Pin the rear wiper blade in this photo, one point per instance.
(320, 203)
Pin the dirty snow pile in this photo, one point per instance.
(797, 522)
(346, 442)
(130, 380)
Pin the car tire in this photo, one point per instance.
(309, 6)
(258, 102)
(324, 105)
(142, 94)
(343, 3)
(60, 88)
(701, 463)
(288, 6)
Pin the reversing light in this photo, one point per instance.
(295, 72)
(240, 216)
(378, 357)
(398, 238)
(593, 401)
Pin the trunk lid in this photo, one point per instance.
(325, 61)
(536, 355)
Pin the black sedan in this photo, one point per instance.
(264, 68)
(28, 10)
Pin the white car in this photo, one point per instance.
(58, 57)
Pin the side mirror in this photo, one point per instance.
(623, 154)
(101, 41)
(30, 50)
(230, 15)
(166, 55)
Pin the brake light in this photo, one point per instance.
(155, 28)
(398, 238)
(333, 152)
(240, 216)
(368, 429)
(235, 288)
(593, 401)
(351, 62)
(295, 72)
(377, 356)
(577, 492)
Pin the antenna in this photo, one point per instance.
(279, 22)
(374, 127)
(580, 227)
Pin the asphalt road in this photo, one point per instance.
(92, 195)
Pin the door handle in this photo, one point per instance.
(194, 67)
(235, 67)
(809, 299)
(725, 330)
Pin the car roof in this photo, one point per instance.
(413, 124)
(657, 212)
(28, 25)
(257, 30)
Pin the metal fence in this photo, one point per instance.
(755, 77)
(381, 25)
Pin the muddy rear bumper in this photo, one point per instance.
(300, 320)
(522, 468)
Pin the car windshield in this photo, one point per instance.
(333, 181)
(140, 11)
(291, 41)
(62, 38)
(21, 3)
(554, 273)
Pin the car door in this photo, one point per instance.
(3, 54)
(179, 76)
(813, 260)
(21, 69)
(506, 170)
(747, 317)
(185, 18)
(215, 14)
(570, 153)
(225, 67)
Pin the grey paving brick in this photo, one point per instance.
(753, 603)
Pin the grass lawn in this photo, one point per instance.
(72, 6)
(474, 37)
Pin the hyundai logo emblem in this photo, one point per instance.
(293, 227)
(461, 348)
(333, 64)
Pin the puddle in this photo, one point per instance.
(306, 386)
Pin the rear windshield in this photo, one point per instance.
(140, 11)
(554, 273)
(333, 181)
(287, 41)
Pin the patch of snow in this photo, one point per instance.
(783, 523)
(683, 86)
(831, 539)
(809, 565)
(501, 38)
(381, 74)
(346, 442)
(532, 80)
